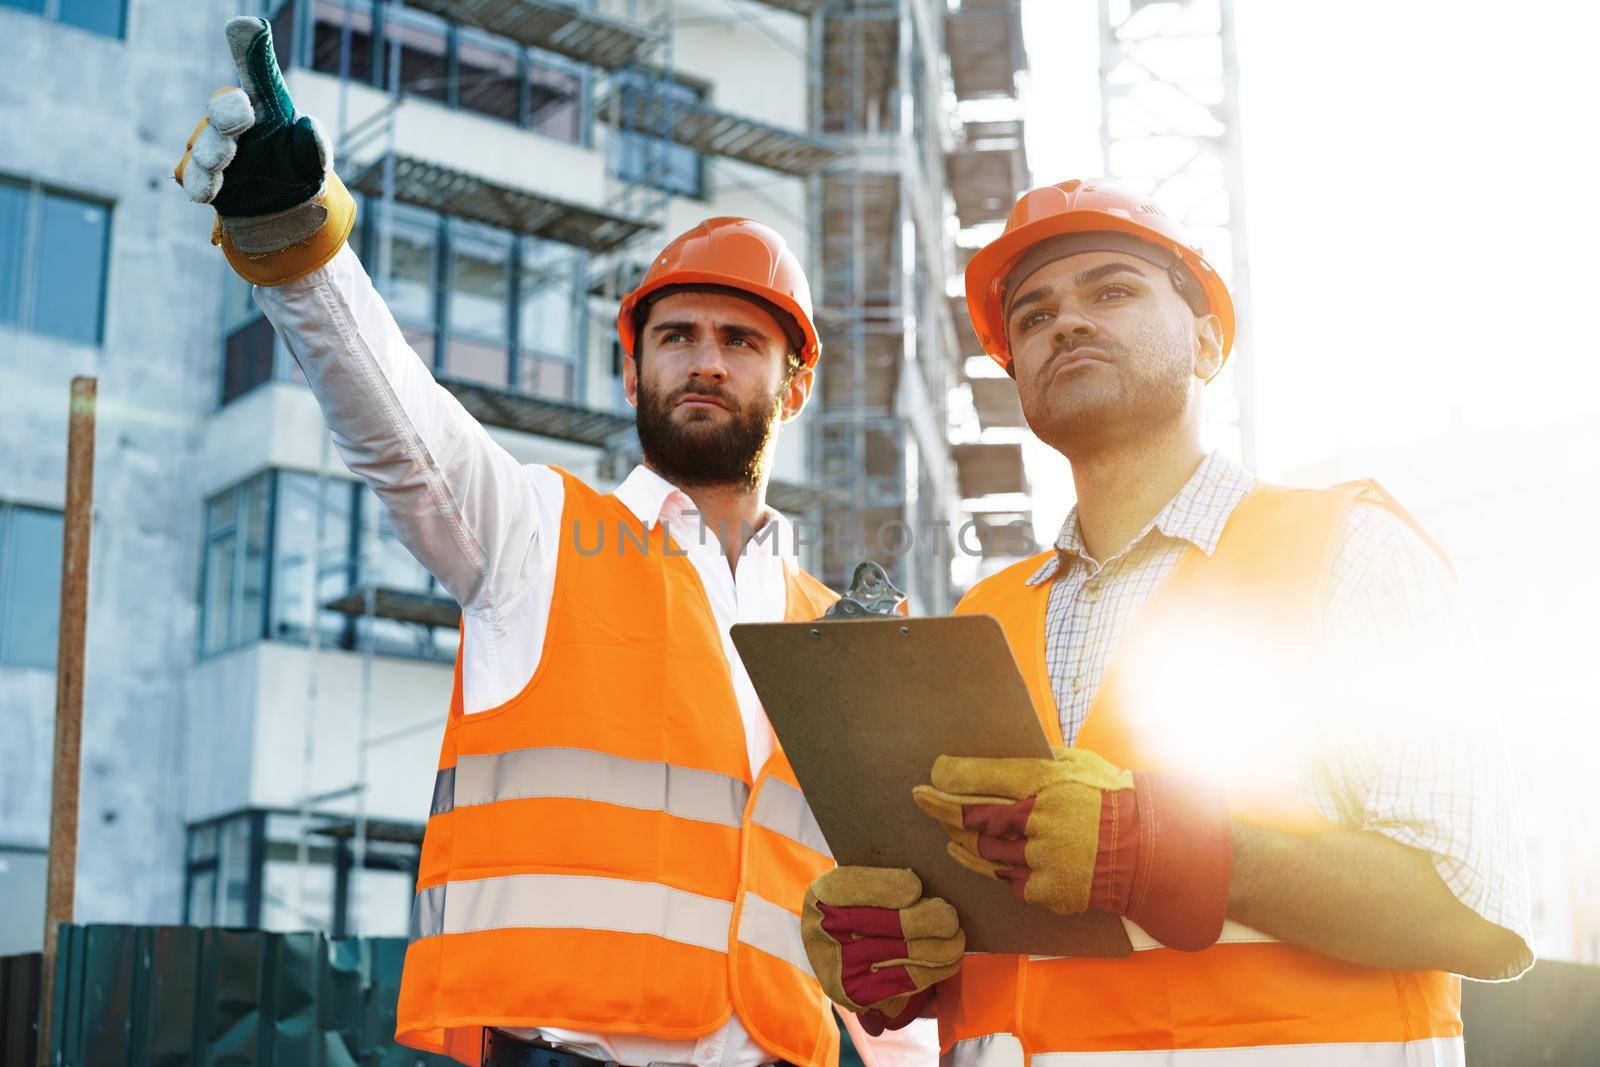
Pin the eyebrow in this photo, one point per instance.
(1088, 277)
(683, 325)
(1094, 274)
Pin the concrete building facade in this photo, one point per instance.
(268, 670)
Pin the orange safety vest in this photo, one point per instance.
(597, 857)
(1254, 609)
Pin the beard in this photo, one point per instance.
(1145, 387)
(697, 448)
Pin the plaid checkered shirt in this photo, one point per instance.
(1394, 625)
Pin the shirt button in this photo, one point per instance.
(1076, 682)
(1093, 593)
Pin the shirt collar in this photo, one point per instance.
(652, 498)
(1196, 514)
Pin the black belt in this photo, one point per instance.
(503, 1050)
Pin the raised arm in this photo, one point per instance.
(461, 504)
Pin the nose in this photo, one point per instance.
(707, 364)
(1072, 325)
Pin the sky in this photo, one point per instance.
(1422, 245)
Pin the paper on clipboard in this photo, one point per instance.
(862, 708)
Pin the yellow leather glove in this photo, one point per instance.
(877, 945)
(1075, 833)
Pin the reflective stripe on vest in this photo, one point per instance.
(782, 809)
(583, 774)
(576, 902)
(1004, 1050)
(773, 930)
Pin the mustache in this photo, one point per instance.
(1110, 348)
(713, 392)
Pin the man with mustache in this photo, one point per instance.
(617, 849)
(1261, 698)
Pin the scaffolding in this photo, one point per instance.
(1170, 127)
(895, 341)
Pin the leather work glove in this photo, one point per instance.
(281, 212)
(1075, 833)
(877, 945)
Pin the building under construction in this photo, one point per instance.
(268, 668)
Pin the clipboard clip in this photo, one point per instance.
(870, 594)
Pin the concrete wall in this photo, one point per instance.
(106, 119)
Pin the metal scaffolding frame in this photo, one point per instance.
(1169, 89)
(883, 260)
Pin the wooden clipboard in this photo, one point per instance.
(862, 708)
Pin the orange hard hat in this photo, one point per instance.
(1089, 206)
(731, 253)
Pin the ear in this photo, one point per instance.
(1208, 347)
(799, 391)
(630, 378)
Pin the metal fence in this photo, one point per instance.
(183, 996)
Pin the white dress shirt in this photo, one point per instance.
(488, 528)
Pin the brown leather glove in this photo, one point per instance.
(1075, 833)
(876, 945)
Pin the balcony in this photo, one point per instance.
(984, 40)
(717, 133)
(468, 196)
(987, 171)
(556, 27)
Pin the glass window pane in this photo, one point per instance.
(477, 361)
(383, 902)
(203, 842)
(254, 504)
(218, 594)
(549, 378)
(295, 897)
(480, 284)
(34, 6)
(421, 342)
(202, 897)
(219, 511)
(13, 239)
(295, 546)
(97, 16)
(30, 588)
(555, 101)
(487, 76)
(329, 18)
(234, 907)
(247, 358)
(413, 270)
(549, 298)
(71, 268)
(422, 53)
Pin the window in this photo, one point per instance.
(411, 288)
(233, 586)
(341, 38)
(479, 303)
(548, 318)
(659, 162)
(97, 16)
(554, 97)
(268, 869)
(488, 76)
(311, 511)
(424, 52)
(267, 545)
(52, 262)
(30, 585)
